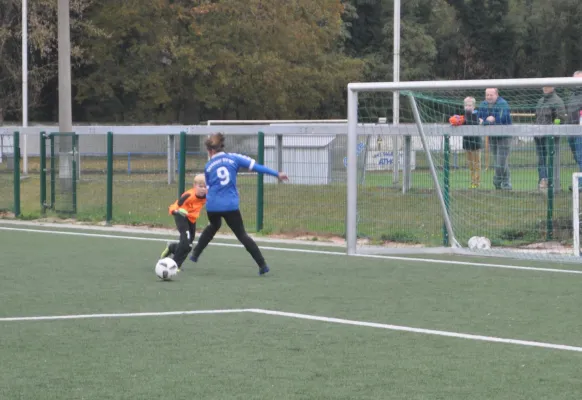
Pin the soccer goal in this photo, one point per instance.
(576, 187)
(486, 168)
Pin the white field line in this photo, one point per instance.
(419, 330)
(340, 321)
(121, 315)
(161, 232)
(307, 251)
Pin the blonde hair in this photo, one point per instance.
(199, 179)
(215, 142)
(470, 100)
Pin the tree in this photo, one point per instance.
(549, 41)
(42, 52)
(227, 59)
(427, 27)
(366, 21)
(488, 38)
(125, 78)
(185, 61)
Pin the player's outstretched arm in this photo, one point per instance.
(247, 162)
(261, 169)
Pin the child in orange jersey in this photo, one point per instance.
(186, 211)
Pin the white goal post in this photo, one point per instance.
(576, 177)
(354, 128)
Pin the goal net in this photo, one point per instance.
(476, 166)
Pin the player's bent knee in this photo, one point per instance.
(184, 242)
(245, 239)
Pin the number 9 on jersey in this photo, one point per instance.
(223, 175)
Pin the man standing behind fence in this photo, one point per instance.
(549, 110)
(495, 111)
(575, 117)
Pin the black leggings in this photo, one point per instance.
(187, 231)
(234, 221)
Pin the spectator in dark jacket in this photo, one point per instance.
(549, 110)
(495, 111)
(574, 108)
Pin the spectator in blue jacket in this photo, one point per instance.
(495, 111)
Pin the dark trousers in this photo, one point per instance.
(500, 148)
(542, 152)
(187, 231)
(235, 223)
(575, 143)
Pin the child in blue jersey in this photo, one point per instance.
(222, 200)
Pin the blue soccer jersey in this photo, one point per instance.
(220, 172)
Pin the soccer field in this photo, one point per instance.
(83, 316)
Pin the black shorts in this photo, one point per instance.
(232, 218)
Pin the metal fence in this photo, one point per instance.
(10, 173)
(134, 179)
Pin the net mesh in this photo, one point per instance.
(313, 202)
(145, 180)
(496, 179)
(146, 176)
(143, 187)
(6, 172)
(92, 185)
(576, 213)
(64, 173)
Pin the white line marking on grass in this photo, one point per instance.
(340, 321)
(419, 330)
(307, 251)
(474, 264)
(122, 315)
(96, 235)
(141, 230)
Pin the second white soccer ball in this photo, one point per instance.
(166, 269)
(484, 244)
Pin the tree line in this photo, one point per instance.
(186, 61)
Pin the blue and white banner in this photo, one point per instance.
(384, 160)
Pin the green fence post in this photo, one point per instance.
(446, 184)
(75, 176)
(42, 172)
(182, 166)
(109, 200)
(16, 174)
(53, 172)
(550, 208)
(260, 182)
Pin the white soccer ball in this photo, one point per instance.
(166, 269)
(479, 243)
(473, 242)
